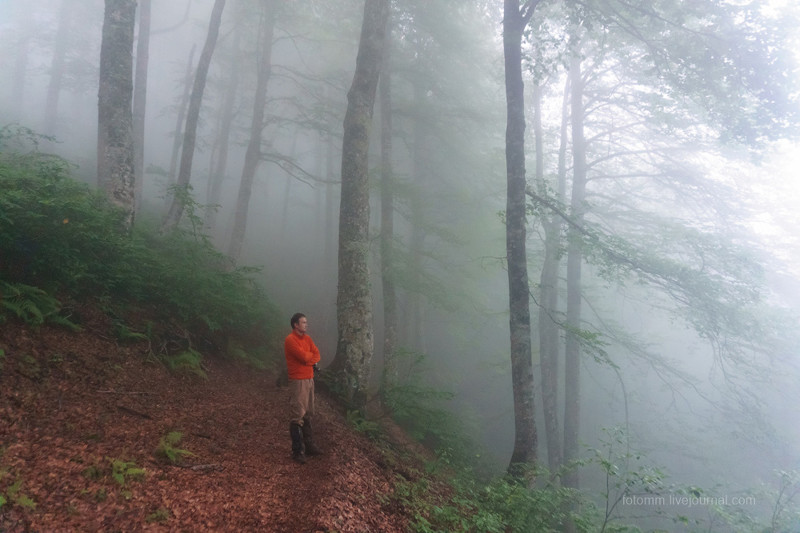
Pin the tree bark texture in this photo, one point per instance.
(253, 154)
(354, 299)
(140, 95)
(387, 225)
(572, 358)
(115, 172)
(192, 117)
(525, 439)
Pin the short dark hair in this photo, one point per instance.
(296, 318)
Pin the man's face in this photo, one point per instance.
(301, 325)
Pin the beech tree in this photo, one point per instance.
(626, 96)
(389, 291)
(180, 120)
(253, 154)
(515, 19)
(140, 95)
(226, 114)
(354, 300)
(175, 211)
(115, 172)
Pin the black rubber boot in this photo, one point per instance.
(308, 438)
(296, 432)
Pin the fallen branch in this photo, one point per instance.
(133, 412)
(203, 468)
(119, 392)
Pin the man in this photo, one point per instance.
(302, 357)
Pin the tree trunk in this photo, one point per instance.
(354, 300)
(548, 306)
(115, 173)
(332, 200)
(415, 331)
(387, 225)
(192, 117)
(140, 95)
(524, 453)
(253, 154)
(572, 391)
(177, 140)
(219, 162)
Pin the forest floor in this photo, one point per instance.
(81, 418)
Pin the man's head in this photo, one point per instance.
(299, 323)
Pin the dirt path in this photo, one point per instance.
(76, 411)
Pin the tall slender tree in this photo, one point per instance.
(387, 221)
(548, 321)
(57, 65)
(354, 300)
(140, 95)
(253, 153)
(572, 356)
(180, 120)
(175, 211)
(515, 19)
(220, 150)
(115, 172)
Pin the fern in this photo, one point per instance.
(59, 236)
(187, 361)
(360, 423)
(122, 471)
(32, 305)
(168, 450)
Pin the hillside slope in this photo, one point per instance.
(81, 419)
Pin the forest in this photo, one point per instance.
(556, 242)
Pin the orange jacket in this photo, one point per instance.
(301, 356)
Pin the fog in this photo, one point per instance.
(706, 392)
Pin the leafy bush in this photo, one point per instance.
(502, 505)
(55, 233)
(421, 410)
(61, 239)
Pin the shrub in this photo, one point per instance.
(60, 239)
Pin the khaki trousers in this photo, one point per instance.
(301, 399)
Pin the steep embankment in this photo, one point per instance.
(81, 419)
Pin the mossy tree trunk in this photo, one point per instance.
(355, 346)
(115, 172)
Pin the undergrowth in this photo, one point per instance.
(453, 492)
(168, 450)
(60, 244)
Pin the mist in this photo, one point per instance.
(690, 281)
